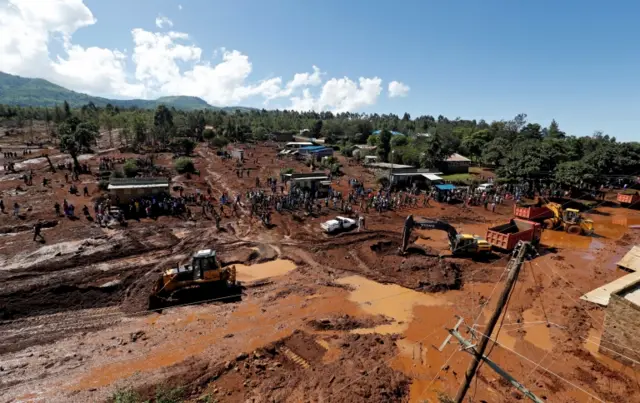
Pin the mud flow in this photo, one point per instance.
(309, 317)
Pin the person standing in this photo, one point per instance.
(36, 231)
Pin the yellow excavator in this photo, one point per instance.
(459, 244)
(569, 220)
(203, 270)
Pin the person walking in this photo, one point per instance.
(36, 231)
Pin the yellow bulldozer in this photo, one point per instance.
(569, 220)
(204, 270)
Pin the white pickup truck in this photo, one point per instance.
(338, 224)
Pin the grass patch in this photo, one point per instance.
(458, 177)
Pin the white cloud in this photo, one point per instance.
(160, 63)
(180, 7)
(341, 95)
(398, 89)
(95, 70)
(162, 21)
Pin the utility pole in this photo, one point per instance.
(514, 265)
(468, 346)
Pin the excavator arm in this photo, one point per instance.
(423, 223)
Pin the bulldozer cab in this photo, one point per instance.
(571, 216)
(202, 262)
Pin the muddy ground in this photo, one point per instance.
(317, 318)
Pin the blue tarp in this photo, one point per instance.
(393, 133)
(446, 186)
(312, 148)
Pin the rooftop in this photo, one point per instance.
(457, 158)
(393, 132)
(387, 165)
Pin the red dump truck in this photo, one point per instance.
(532, 213)
(506, 236)
(627, 198)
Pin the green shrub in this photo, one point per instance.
(219, 141)
(125, 396)
(347, 151)
(103, 185)
(130, 168)
(285, 171)
(169, 395)
(184, 165)
(117, 174)
(187, 146)
(208, 134)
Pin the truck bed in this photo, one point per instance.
(627, 198)
(532, 213)
(506, 236)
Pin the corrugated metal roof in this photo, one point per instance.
(432, 177)
(631, 261)
(457, 158)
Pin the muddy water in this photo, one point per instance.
(390, 300)
(262, 271)
(537, 333)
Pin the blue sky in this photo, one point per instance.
(575, 61)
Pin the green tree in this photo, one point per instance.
(316, 129)
(575, 173)
(475, 142)
(384, 148)
(163, 124)
(66, 114)
(184, 165)
(130, 168)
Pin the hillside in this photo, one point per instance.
(22, 91)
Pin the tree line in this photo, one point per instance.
(517, 149)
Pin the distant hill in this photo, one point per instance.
(22, 91)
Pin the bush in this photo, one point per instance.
(219, 141)
(184, 165)
(125, 396)
(117, 174)
(187, 146)
(285, 171)
(208, 134)
(103, 185)
(347, 150)
(130, 168)
(169, 395)
(399, 140)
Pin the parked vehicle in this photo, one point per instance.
(338, 224)
(486, 187)
(506, 236)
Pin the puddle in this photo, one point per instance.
(537, 334)
(265, 270)
(389, 300)
(592, 343)
(562, 240)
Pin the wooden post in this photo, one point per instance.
(516, 262)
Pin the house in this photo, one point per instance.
(127, 189)
(456, 164)
(407, 177)
(621, 298)
(312, 181)
(238, 154)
